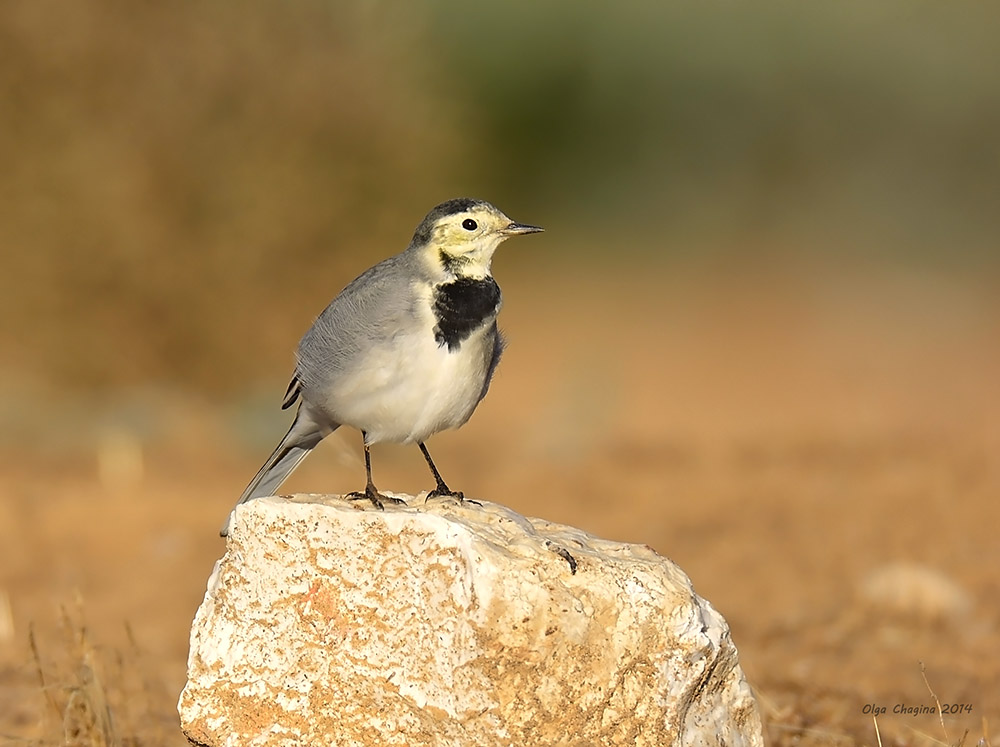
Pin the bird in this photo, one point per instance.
(404, 351)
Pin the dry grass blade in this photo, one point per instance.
(40, 669)
(923, 673)
(927, 737)
(77, 703)
(87, 718)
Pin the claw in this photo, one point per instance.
(371, 494)
(442, 491)
(563, 553)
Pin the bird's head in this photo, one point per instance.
(460, 236)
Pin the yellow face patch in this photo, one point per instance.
(458, 238)
(464, 242)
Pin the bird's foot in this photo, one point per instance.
(563, 553)
(371, 494)
(443, 491)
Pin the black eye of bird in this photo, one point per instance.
(469, 225)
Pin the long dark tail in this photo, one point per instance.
(301, 438)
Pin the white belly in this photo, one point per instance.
(411, 388)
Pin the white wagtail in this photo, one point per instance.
(403, 352)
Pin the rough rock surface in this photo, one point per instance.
(330, 623)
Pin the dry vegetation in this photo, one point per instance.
(787, 459)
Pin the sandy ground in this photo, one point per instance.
(822, 458)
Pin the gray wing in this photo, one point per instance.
(493, 358)
(364, 314)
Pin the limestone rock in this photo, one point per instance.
(330, 623)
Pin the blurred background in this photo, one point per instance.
(760, 333)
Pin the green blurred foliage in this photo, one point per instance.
(181, 182)
(818, 125)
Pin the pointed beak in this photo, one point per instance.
(515, 229)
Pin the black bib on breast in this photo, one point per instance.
(463, 306)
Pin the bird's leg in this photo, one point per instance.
(442, 490)
(371, 492)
